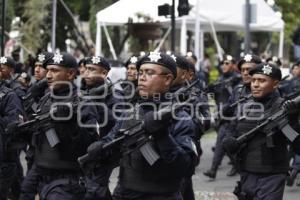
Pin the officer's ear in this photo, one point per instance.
(169, 79)
(71, 74)
(275, 84)
(104, 72)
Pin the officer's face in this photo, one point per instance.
(94, 75)
(82, 69)
(58, 76)
(131, 73)
(5, 72)
(153, 79)
(191, 75)
(39, 72)
(245, 68)
(182, 75)
(296, 71)
(262, 85)
(227, 66)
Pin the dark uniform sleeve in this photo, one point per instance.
(178, 149)
(88, 130)
(227, 110)
(11, 109)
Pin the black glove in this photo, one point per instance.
(62, 111)
(290, 106)
(39, 88)
(12, 128)
(95, 149)
(157, 127)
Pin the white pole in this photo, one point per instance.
(98, 47)
(197, 33)
(163, 40)
(201, 55)
(183, 37)
(220, 51)
(281, 43)
(53, 36)
(110, 44)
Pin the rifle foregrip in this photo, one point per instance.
(83, 159)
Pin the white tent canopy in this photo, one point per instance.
(223, 15)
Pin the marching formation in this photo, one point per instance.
(76, 125)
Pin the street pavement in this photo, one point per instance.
(219, 189)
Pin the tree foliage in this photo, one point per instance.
(290, 14)
(35, 30)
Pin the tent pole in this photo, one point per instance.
(3, 28)
(163, 40)
(183, 38)
(281, 43)
(220, 51)
(98, 47)
(111, 47)
(197, 34)
(201, 56)
(53, 35)
(247, 26)
(173, 25)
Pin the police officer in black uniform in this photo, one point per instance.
(95, 78)
(100, 90)
(263, 164)
(8, 75)
(130, 85)
(37, 89)
(30, 102)
(291, 88)
(11, 110)
(192, 75)
(222, 91)
(171, 139)
(70, 129)
(10, 80)
(198, 109)
(241, 93)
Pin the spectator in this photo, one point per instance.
(296, 41)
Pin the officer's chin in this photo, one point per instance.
(143, 94)
(257, 95)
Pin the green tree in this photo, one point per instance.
(290, 14)
(9, 14)
(35, 30)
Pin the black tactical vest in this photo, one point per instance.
(257, 156)
(64, 155)
(136, 173)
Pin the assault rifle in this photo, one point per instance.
(245, 98)
(42, 122)
(136, 133)
(226, 83)
(278, 120)
(106, 87)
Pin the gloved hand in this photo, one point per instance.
(290, 106)
(155, 126)
(12, 128)
(62, 111)
(39, 88)
(95, 149)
